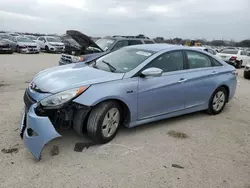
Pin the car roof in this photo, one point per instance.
(158, 47)
(127, 38)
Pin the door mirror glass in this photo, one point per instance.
(153, 71)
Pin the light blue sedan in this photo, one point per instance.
(131, 86)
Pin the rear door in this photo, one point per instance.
(41, 42)
(164, 94)
(244, 57)
(203, 72)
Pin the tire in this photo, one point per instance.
(17, 49)
(109, 112)
(212, 104)
(47, 49)
(239, 65)
(79, 121)
(246, 76)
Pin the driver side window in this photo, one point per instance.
(168, 62)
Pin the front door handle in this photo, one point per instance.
(182, 80)
(214, 72)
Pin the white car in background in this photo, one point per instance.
(50, 44)
(235, 57)
(205, 48)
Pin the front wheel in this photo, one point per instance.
(217, 101)
(104, 121)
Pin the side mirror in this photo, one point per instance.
(155, 72)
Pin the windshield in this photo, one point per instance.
(104, 44)
(52, 39)
(31, 37)
(122, 60)
(5, 36)
(229, 51)
(23, 39)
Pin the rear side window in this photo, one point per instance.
(216, 63)
(197, 60)
(41, 39)
(168, 62)
(243, 53)
(120, 44)
(211, 51)
(134, 42)
(148, 42)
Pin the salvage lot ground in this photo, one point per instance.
(216, 152)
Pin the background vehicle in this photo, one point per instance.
(100, 47)
(24, 45)
(207, 49)
(5, 46)
(130, 86)
(31, 37)
(50, 44)
(237, 58)
(247, 71)
(77, 43)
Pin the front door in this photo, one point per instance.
(164, 94)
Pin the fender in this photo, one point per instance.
(125, 90)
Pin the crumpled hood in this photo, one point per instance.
(26, 44)
(65, 77)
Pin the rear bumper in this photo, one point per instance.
(37, 131)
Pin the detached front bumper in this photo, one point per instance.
(37, 131)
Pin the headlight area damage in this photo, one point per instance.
(41, 119)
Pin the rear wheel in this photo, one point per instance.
(47, 49)
(17, 49)
(239, 64)
(104, 121)
(217, 101)
(246, 75)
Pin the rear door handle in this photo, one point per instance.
(182, 80)
(214, 72)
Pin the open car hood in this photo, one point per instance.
(82, 39)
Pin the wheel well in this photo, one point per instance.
(126, 111)
(227, 89)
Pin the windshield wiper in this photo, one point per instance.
(112, 68)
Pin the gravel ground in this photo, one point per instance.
(216, 152)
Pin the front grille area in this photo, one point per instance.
(28, 100)
(66, 58)
(31, 46)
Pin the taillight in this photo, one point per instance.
(233, 58)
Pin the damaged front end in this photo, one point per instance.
(39, 124)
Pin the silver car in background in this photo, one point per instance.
(24, 45)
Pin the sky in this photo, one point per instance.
(193, 19)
